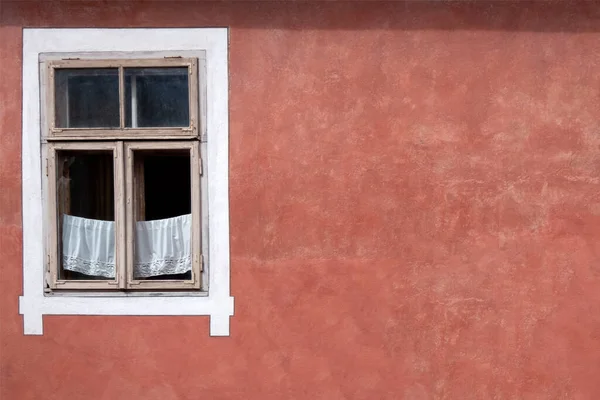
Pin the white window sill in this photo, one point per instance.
(34, 307)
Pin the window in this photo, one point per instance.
(123, 213)
(125, 143)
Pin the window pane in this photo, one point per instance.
(85, 201)
(157, 97)
(87, 98)
(162, 208)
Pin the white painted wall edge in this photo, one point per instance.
(219, 305)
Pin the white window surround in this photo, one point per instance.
(218, 304)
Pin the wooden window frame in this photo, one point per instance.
(53, 252)
(125, 203)
(123, 142)
(196, 246)
(123, 132)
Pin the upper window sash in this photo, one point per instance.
(126, 82)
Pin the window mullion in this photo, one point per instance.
(129, 213)
(121, 215)
(121, 98)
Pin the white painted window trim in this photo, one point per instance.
(218, 304)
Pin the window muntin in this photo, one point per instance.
(133, 98)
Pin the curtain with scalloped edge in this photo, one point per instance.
(162, 247)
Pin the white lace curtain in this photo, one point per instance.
(162, 247)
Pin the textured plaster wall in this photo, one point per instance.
(415, 209)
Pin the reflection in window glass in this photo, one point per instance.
(85, 201)
(157, 97)
(86, 98)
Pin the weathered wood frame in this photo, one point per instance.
(122, 132)
(125, 186)
(123, 141)
(132, 185)
(53, 240)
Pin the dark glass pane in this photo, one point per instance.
(163, 215)
(87, 98)
(85, 201)
(157, 97)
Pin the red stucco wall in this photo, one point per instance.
(415, 210)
